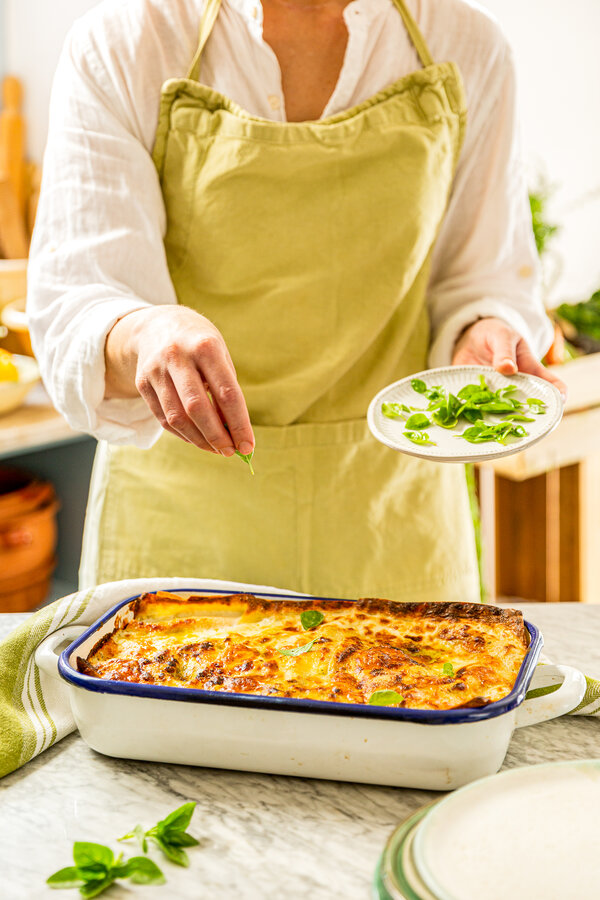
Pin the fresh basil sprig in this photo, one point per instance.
(247, 457)
(448, 670)
(385, 698)
(96, 869)
(169, 834)
(310, 618)
(297, 651)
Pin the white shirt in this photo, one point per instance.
(98, 252)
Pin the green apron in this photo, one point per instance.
(308, 245)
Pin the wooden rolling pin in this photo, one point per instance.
(14, 241)
(12, 139)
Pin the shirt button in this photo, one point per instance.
(525, 271)
(274, 101)
(254, 12)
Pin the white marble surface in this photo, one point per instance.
(262, 837)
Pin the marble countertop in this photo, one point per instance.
(261, 837)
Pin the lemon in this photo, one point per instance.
(8, 370)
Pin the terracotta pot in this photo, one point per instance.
(27, 524)
(21, 492)
(26, 591)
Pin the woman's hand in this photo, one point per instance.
(491, 342)
(173, 357)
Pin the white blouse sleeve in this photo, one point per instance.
(97, 251)
(485, 261)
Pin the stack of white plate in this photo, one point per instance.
(525, 834)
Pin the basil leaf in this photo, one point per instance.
(247, 457)
(87, 855)
(448, 669)
(472, 415)
(175, 854)
(519, 418)
(182, 839)
(419, 386)
(139, 835)
(419, 437)
(497, 406)
(178, 820)
(310, 618)
(417, 420)
(93, 872)
(385, 698)
(435, 393)
(94, 888)
(393, 410)
(142, 870)
(65, 878)
(444, 420)
(141, 838)
(297, 651)
(536, 406)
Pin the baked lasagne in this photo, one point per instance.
(417, 655)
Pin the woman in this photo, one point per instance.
(339, 192)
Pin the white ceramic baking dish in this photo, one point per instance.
(438, 750)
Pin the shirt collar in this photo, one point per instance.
(252, 12)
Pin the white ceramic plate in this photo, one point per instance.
(397, 878)
(448, 447)
(525, 834)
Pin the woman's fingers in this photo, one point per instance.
(166, 406)
(197, 407)
(529, 364)
(228, 399)
(503, 343)
(184, 372)
(491, 342)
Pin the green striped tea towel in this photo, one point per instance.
(34, 707)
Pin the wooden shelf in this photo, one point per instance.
(33, 426)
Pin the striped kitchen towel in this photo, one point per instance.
(34, 707)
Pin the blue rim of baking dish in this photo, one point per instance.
(299, 704)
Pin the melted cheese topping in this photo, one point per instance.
(435, 655)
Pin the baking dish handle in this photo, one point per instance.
(46, 655)
(562, 700)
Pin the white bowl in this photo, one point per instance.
(13, 393)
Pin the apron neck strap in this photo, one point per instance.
(207, 20)
(414, 32)
(211, 11)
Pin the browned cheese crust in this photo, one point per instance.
(435, 655)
